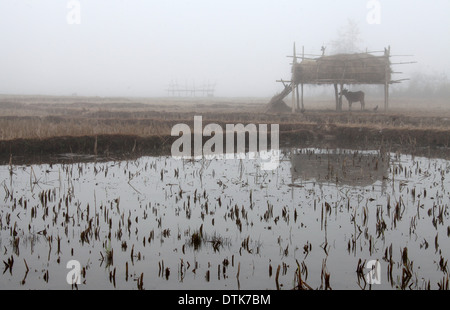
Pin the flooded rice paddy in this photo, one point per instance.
(162, 223)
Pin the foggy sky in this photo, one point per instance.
(136, 47)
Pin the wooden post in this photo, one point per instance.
(303, 57)
(298, 99)
(386, 96)
(293, 95)
(336, 96)
(303, 106)
(293, 82)
(340, 96)
(387, 53)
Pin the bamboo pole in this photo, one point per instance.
(293, 83)
(293, 96)
(303, 106)
(303, 57)
(386, 96)
(386, 78)
(336, 96)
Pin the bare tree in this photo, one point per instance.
(425, 85)
(348, 38)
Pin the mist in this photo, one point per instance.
(137, 48)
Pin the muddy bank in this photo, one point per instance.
(424, 142)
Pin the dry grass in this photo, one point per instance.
(39, 117)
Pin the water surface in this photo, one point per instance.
(226, 223)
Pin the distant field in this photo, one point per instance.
(50, 125)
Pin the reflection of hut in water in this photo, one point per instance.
(346, 168)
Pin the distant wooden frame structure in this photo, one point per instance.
(338, 70)
(175, 90)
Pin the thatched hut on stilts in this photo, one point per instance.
(337, 70)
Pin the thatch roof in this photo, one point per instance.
(362, 68)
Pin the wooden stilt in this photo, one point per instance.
(386, 96)
(303, 106)
(303, 58)
(336, 96)
(293, 96)
(293, 80)
(387, 54)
